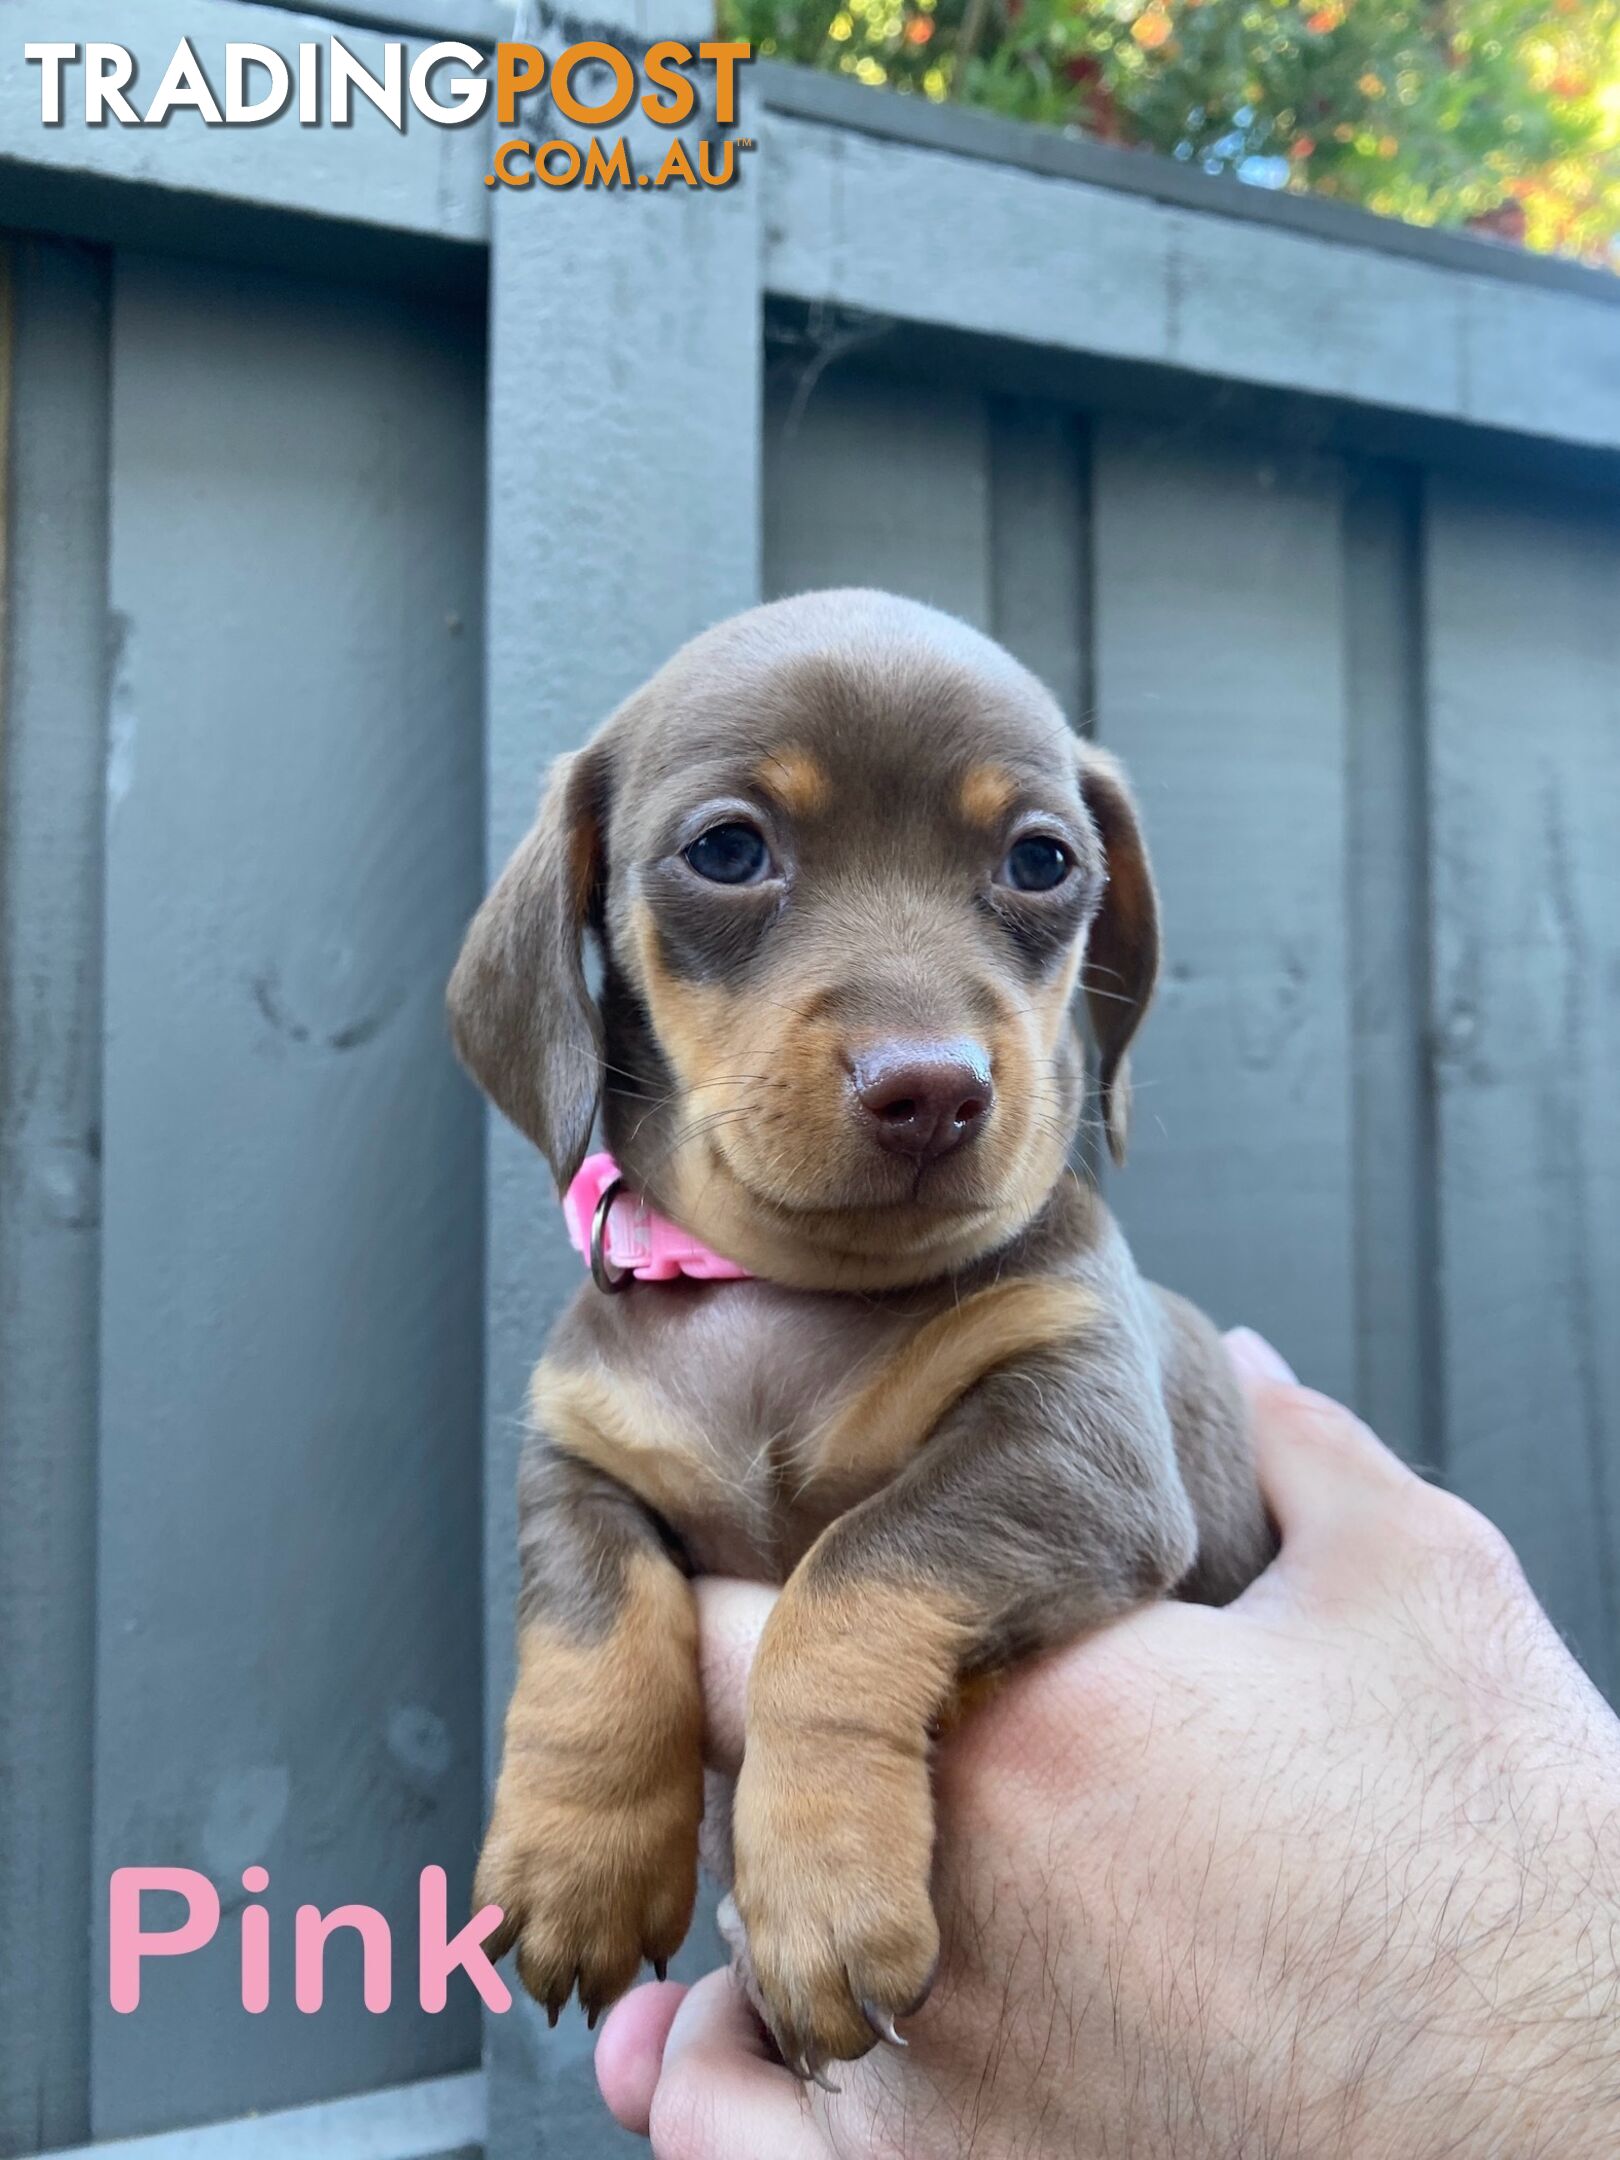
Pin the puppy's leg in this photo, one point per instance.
(1047, 1501)
(591, 1852)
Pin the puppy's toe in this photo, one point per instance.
(831, 1982)
(587, 1898)
(832, 1887)
(832, 1956)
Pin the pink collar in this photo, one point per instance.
(621, 1236)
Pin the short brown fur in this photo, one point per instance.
(832, 1873)
(894, 1412)
(592, 1851)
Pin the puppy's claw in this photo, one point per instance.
(660, 1967)
(591, 2017)
(818, 2076)
(882, 2023)
(553, 2012)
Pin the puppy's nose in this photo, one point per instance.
(924, 1098)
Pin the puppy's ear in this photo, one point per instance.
(523, 1022)
(1122, 950)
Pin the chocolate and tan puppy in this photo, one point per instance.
(848, 868)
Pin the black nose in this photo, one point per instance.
(924, 1098)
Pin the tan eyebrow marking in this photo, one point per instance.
(793, 778)
(987, 794)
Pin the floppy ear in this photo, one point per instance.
(1122, 950)
(523, 1022)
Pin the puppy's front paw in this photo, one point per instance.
(833, 1859)
(591, 1882)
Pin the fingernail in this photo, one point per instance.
(1255, 1358)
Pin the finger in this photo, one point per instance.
(1330, 1484)
(731, 1618)
(630, 2051)
(1257, 1360)
(719, 2096)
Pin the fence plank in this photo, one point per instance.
(1523, 643)
(974, 504)
(288, 1632)
(619, 530)
(53, 708)
(876, 480)
(1040, 546)
(1397, 1306)
(429, 2119)
(1220, 673)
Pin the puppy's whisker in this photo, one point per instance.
(698, 1129)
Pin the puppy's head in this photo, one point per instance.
(847, 866)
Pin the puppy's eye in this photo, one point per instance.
(732, 854)
(1037, 863)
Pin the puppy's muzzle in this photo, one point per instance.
(923, 1100)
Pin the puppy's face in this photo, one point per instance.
(844, 858)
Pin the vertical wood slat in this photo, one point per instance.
(288, 1628)
(624, 504)
(1396, 1303)
(1220, 680)
(1040, 547)
(1523, 668)
(876, 480)
(53, 709)
(980, 509)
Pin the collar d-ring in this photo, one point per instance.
(603, 1273)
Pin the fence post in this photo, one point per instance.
(624, 429)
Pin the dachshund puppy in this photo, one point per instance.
(847, 867)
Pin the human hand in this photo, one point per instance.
(1334, 1871)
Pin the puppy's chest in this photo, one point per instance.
(726, 1408)
(749, 1417)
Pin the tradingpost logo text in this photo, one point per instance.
(592, 85)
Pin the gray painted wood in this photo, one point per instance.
(1523, 665)
(53, 615)
(929, 237)
(1040, 546)
(924, 530)
(1220, 680)
(1396, 1309)
(624, 432)
(981, 508)
(288, 1632)
(433, 2119)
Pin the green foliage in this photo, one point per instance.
(1501, 113)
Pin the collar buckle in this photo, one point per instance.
(603, 1273)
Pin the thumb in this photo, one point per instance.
(1329, 1482)
(719, 2095)
(731, 1619)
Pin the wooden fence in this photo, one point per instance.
(338, 496)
